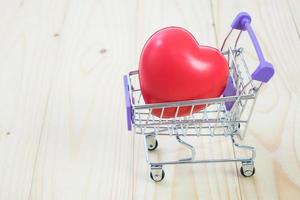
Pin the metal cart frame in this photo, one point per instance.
(226, 116)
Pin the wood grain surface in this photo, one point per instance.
(62, 115)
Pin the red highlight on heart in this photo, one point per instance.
(174, 67)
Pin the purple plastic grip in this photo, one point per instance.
(230, 90)
(265, 70)
(128, 103)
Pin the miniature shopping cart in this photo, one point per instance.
(226, 116)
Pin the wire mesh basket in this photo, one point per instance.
(226, 116)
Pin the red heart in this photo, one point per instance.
(174, 67)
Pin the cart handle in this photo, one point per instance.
(265, 70)
(128, 102)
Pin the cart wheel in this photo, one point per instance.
(152, 143)
(247, 170)
(157, 175)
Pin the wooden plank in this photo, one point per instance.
(85, 151)
(294, 6)
(28, 55)
(273, 128)
(62, 116)
(207, 181)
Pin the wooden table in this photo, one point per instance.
(62, 117)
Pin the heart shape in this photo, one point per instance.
(174, 67)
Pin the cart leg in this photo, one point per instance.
(157, 174)
(190, 147)
(247, 169)
(151, 142)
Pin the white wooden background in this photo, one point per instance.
(62, 116)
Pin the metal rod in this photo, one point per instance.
(189, 146)
(175, 162)
(192, 102)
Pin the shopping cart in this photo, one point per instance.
(226, 116)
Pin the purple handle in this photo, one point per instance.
(265, 70)
(128, 102)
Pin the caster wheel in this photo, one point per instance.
(157, 175)
(247, 171)
(152, 143)
(152, 147)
